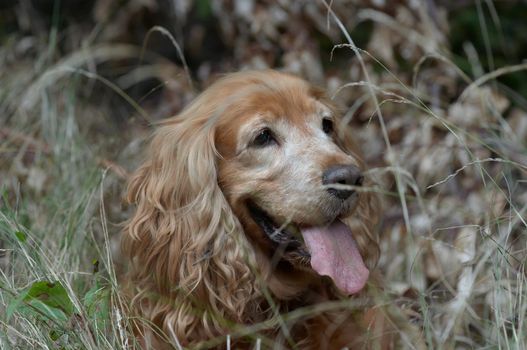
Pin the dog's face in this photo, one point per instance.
(288, 177)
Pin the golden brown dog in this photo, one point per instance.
(253, 222)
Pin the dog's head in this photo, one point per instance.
(259, 172)
(292, 176)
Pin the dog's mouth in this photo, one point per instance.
(330, 250)
(288, 234)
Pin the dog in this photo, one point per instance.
(254, 224)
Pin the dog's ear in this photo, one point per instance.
(183, 241)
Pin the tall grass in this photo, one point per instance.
(54, 230)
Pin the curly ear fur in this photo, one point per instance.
(187, 251)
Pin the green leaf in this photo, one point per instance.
(35, 306)
(95, 263)
(21, 236)
(51, 294)
(54, 335)
(97, 303)
(43, 299)
(97, 298)
(14, 306)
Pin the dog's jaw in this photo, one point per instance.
(328, 249)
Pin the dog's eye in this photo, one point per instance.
(327, 125)
(264, 138)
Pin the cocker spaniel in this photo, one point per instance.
(252, 225)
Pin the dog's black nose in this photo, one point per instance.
(342, 176)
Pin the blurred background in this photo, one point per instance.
(82, 82)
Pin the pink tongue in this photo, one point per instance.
(334, 253)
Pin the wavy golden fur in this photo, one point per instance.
(200, 265)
